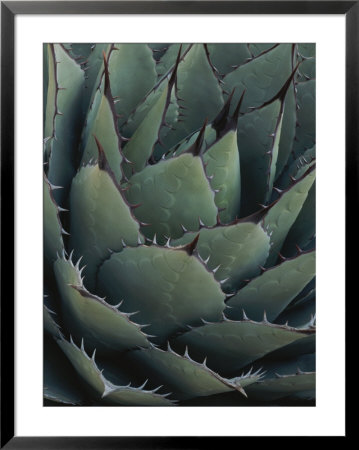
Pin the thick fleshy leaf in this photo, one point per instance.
(225, 57)
(209, 137)
(282, 386)
(262, 77)
(132, 75)
(140, 148)
(305, 293)
(273, 367)
(158, 50)
(229, 345)
(91, 59)
(168, 60)
(170, 288)
(50, 98)
(274, 289)
(93, 67)
(223, 168)
(67, 121)
(80, 51)
(307, 70)
(308, 66)
(139, 114)
(256, 48)
(102, 389)
(91, 317)
(61, 383)
(149, 101)
(297, 348)
(186, 377)
(49, 323)
(283, 213)
(306, 50)
(234, 252)
(288, 130)
(300, 314)
(297, 168)
(198, 91)
(103, 126)
(305, 133)
(303, 230)
(172, 193)
(258, 139)
(101, 219)
(94, 90)
(53, 242)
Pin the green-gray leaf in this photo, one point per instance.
(235, 251)
(169, 287)
(186, 377)
(102, 389)
(229, 345)
(101, 220)
(91, 317)
(274, 289)
(172, 193)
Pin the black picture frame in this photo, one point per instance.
(9, 9)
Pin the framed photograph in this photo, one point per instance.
(168, 265)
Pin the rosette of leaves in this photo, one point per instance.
(179, 224)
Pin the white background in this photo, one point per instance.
(327, 418)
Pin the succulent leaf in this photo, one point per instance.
(297, 168)
(50, 98)
(169, 287)
(168, 367)
(275, 288)
(258, 139)
(283, 213)
(168, 60)
(307, 70)
(92, 65)
(231, 345)
(91, 317)
(300, 314)
(303, 229)
(61, 384)
(297, 348)
(199, 91)
(63, 142)
(102, 125)
(225, 57)
(283, 386)
(238, 249)
(222, 163)
(262, 77)
(256, 49)
(49, 323)
(101, 218)
(132, 75)
(140, 148)
(209, 137)
(158, 50)
(102, 389)
(288, 130)
(53, 242)
(165, 194)
(305, 133)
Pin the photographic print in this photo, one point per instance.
(179, 224)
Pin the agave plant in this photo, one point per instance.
(184, 176)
